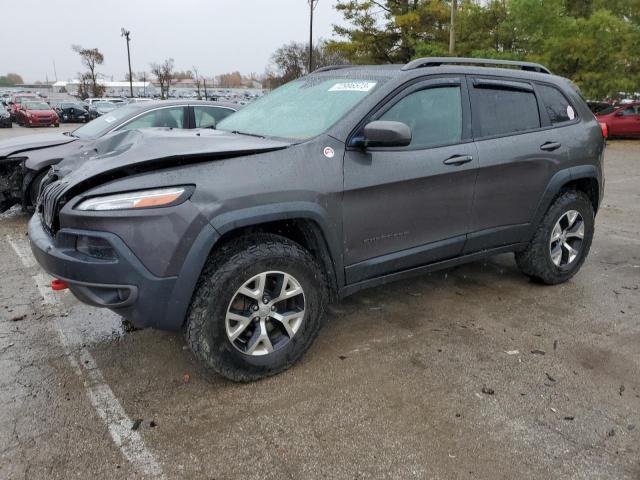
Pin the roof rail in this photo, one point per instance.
(331, 67)
(437, 61)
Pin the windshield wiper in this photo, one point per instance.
(237, 132)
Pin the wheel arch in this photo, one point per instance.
(304, 226)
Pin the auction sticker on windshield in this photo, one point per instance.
(353, 87)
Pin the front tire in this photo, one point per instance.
(258, 306)
(562, 241)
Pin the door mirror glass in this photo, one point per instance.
(384, 133)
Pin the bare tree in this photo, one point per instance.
(91, 58)
(164, 74)
(196, 80)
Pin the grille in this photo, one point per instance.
(48, 203)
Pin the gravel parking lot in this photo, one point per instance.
(474, 372)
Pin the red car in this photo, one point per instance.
(37, 114)
(16, 103)
(621, 120)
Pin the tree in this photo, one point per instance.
(229, 80)
(164, 74)
(596, 43)
(10, 79)
(196, 80)
(291, 61)
(91, 58)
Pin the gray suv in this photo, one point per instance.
(345, 179)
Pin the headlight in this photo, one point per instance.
(160, 197)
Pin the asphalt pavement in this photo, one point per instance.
(474, 372)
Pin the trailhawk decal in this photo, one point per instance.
(328, 152)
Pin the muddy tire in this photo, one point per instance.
(561, 242)
(258, 306)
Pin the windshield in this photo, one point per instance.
(300, 109)
(37, 106)
(102, 125)
(104, 105)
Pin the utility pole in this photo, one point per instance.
(312, 7)
(204, 84)
(126, 34)
(452, 29)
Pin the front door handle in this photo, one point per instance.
(458, 160)
(550, 146)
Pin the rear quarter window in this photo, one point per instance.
(556, 104)
(503, 111)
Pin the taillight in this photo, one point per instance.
(605, 129)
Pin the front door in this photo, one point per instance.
(410, 206)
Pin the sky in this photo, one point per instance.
(217, 36)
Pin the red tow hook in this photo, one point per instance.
(57, 284)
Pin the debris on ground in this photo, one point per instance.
(17, 318)
(555, 344)
(631, 427)
(612, 432)
(550, 378)
(342, 357)
(621, 391)
(487, 391)
(512, 352)
(538, 352)
(569, 417)
(136, 424)
(153, 424)
(553, 410)
(186, 377)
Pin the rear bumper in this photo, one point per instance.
(122, 284)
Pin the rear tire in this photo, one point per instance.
(212, 330)
(562, 241)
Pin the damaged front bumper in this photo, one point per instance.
(11, 181)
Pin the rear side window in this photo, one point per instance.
(434, 116)
(502, 111)
(556, 104)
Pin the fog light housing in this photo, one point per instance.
(95, 247)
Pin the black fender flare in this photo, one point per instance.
(207, 239)
(555, 185)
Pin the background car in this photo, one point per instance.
(71, 112)
(37, 114)
(5, 118)
(97, 109)
(621, 120)
(32, 155)
(15, 103)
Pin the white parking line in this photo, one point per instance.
(99, 393)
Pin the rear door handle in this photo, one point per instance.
(458, 160)
(550, 146)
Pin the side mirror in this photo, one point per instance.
(381, 133)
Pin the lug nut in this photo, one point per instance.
(273, 308)
(265, 300)
(255, 308)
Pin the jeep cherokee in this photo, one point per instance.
(347, 178)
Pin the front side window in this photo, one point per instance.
(163, 117)
(301, 109)
(434, 116)
(208, 117)
(556, 104)
(500, 111)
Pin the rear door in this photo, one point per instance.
(409, 206)
(518, 153)
(626, 122)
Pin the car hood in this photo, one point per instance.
(32, 142)
(134, 151)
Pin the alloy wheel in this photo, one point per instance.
(566, 238)
(265, 313)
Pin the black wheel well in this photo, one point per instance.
(589, 186)
(305, 232)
